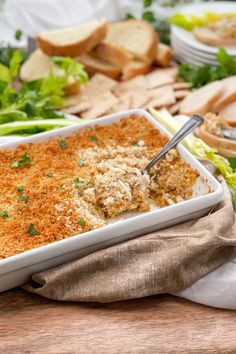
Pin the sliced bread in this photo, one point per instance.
(164, 55)
(137, 37)
(38, 66)
(229, 113)
(135, 68)
(72, 41)
(201, 100)
(112, 54)
(94, 65)
(228, 94)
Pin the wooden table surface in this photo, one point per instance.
(158, 324)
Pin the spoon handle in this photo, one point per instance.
(187, 128)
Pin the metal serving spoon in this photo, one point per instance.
(187, 128)
(229, 133)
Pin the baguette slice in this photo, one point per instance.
(229, 113)
(38, 66)
(136, 37)
(93, 65)
(135, 68)
(201, 100)
(228, 94)
(112, 54)
(72, 41)
(164, 55)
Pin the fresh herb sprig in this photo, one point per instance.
(37, 99)
(200, 76)
(32, 230)
(4, 214)
(24, 160)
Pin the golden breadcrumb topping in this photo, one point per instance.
(63, 187)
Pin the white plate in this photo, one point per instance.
(175, 41)
(187, 57)
(18, 269)
(181, 57)
(197, 10)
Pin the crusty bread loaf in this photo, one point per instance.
(136, 37)
(164, 55)
(112, 54)
(135, 68)
(72, 41)
(201, 100)
(94, 65)
(38, 66)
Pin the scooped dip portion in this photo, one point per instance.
(55, 189)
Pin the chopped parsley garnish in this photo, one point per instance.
(23, 198)
(50, 174)
(4, 214)
(135, 143)
(81, 162)
(81, 221)
(94, 138)
(32, 230)
(26, 204)
(20, 189)
(24, 160)
(78, 182)
(63, 144)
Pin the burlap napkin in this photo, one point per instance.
(165, 261)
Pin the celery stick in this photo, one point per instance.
(42, 124)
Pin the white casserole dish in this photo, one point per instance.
(18, 269)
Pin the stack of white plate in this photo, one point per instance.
(187, 48)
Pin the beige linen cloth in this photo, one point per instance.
(165, 261)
